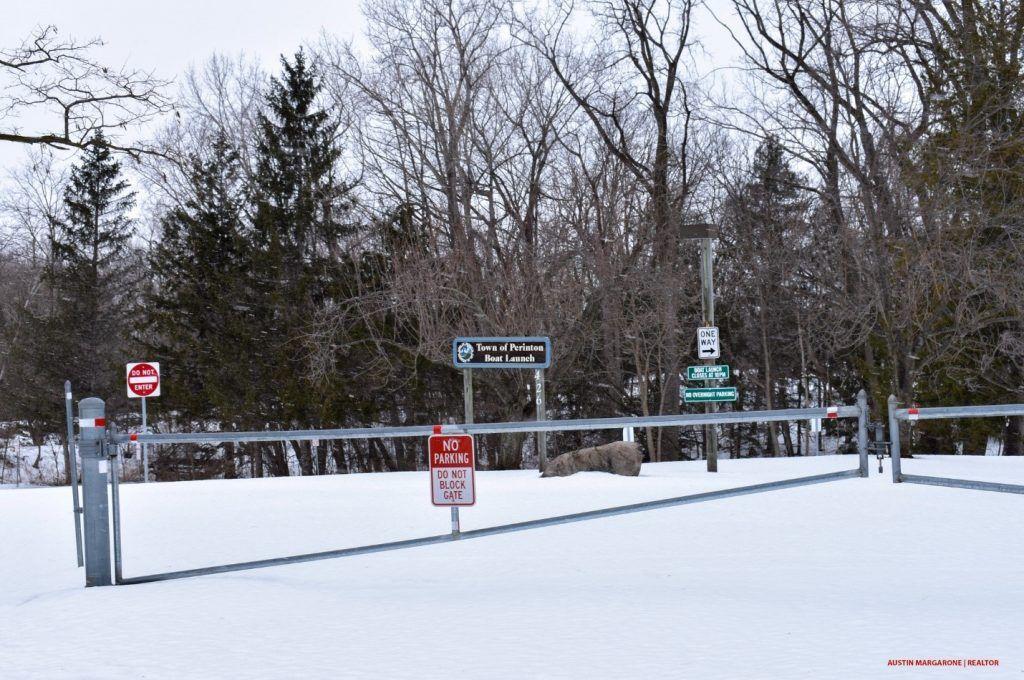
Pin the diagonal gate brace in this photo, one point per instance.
(502, 529)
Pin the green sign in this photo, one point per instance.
(707, 372)
(703, 394)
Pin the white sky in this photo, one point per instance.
(166, 37)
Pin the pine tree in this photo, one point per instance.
(295, 185)
(297, 232)
(199, 270)
(84, 329)
(197, 311)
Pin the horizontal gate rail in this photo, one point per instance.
(943, 412)
(721, 418)
(946, 412)
(962, 483)
(492, 531)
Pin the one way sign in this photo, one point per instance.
(707, 343)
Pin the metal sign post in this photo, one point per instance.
(467, 398)
(467, 393)
(73, 472)
(145, 449)
(95, 468)
(143, 380)
(542, 437)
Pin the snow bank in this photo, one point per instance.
(823, 581)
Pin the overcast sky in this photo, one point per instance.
(166, 37)
(169, 35)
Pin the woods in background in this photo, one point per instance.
(299, 248)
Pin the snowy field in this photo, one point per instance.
(825, 581)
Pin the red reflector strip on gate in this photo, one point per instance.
(833, 412)
(92, 422)
(133, 437)
(913, 413)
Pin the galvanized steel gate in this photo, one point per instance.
(896, 415)
(98, 446)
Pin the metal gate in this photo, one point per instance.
(98, 447)
(946, 412)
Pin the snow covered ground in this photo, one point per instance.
(831, 580)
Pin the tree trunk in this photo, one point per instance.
(229, 468)
(303, 451)
(773, 433)
(257, 459)
(321, 457)
(787, 434)
(278, 459)
(340, 460)
(509, 455)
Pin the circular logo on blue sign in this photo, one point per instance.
(464, 352)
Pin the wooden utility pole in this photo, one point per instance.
(708, 307)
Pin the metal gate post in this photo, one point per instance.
(862, 432)
(95, 466)
(73, 471)
(894, 437)
(116, 465)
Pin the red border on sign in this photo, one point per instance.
(472, 470)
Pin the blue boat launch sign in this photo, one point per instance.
(501, 352)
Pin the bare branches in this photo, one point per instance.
(52, 78)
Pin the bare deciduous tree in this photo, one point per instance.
(633, 89)
(57, 79)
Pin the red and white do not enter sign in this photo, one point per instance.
(143, 379)
(452, 464)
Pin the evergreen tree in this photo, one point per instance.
(296, 191)
(970, 170)
(199, 270)
(297, 234)
(83, 330)
(197, 309)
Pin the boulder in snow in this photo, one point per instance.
(620, 458)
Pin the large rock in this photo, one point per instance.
(620, 458)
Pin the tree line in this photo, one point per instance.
(299, 248)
